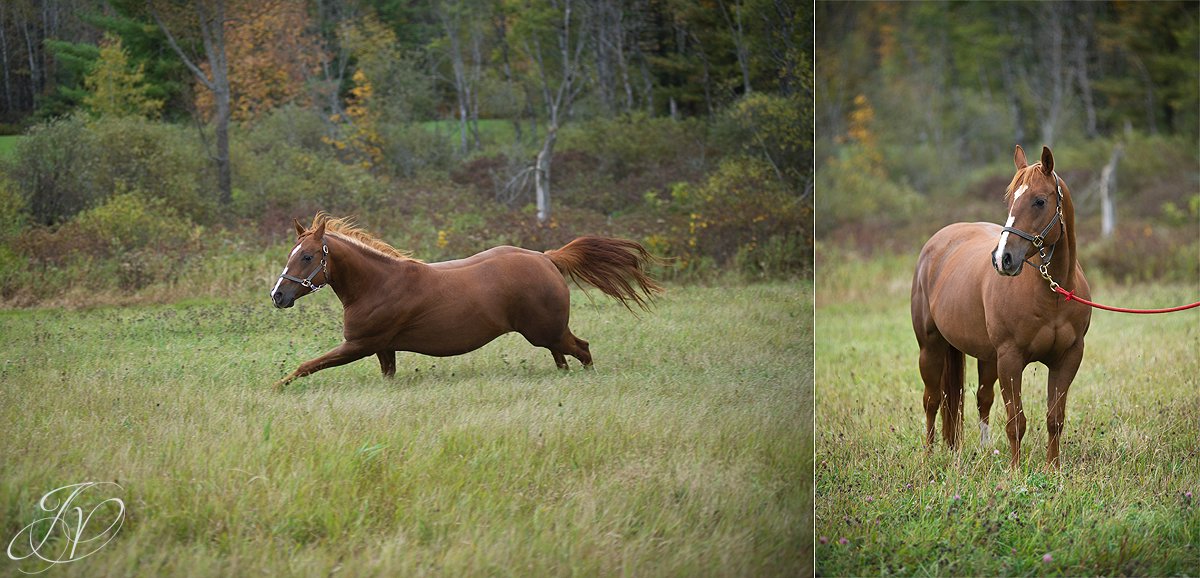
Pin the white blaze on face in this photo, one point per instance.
(1004, 236)
(285, 270)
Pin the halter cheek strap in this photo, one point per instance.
(307, 281)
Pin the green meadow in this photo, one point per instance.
(8, 144)
(1123, 502)
(686, 452)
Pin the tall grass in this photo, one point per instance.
(685, 452)
(1119, 505)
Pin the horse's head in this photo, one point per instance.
(306, 264)
(1035, 214)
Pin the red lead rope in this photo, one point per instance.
(1070, 296)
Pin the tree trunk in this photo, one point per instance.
(737, 30)
(542, 174)
(1080, 54)
(212, 31)
(8, 97)
(1108, 193)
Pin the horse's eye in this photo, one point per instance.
(307, 258)
(1039, 203)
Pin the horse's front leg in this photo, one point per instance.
(387, 362)
(1009, 367)
(983, 399)
(345, 353)
(1061, 376)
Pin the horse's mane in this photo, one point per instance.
(1023, 177)
(345, 228)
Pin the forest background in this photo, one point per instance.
(151, 144)
(919, 107)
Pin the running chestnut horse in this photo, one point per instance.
(395, 303)
(971, 295)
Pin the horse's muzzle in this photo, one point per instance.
(281, 301)
(1008, 265)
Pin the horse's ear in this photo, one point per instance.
(1019, 158)
(1047, 160)
(319, 231)
(299, 228)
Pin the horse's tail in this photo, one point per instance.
(952, 397)
(614, 266)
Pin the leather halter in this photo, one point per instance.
(1039, 240)
(307, 281)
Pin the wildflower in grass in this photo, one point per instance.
(1047, 558)
(843, 541)
(995, 452)
(824, 539)
(870, 499)
(908, 486)
(957, 498)
(1188, 494)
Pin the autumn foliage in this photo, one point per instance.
(276, 53)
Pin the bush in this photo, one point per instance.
(160, 161)
(68, 165)
(777, 129)
(289, 125)
(410, 150)
(54, 167)
(743, 215)
(609, 164)
(1141, 252)
(853, 187)
(291, 180)
(128, 242)
(130, 222)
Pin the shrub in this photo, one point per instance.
(636, 142)
(777, 129)
(158, 160)
(68, 165)
(744, 214)
(289, 125)
(130, 222)
(54, 167)
(854, 187)
(296, 181)
(409, 150)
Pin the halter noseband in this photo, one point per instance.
(1039, 240)
(307, 282)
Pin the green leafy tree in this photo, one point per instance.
(117, 89)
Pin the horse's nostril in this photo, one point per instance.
(1007, 260)
(277, 297)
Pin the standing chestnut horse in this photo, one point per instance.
(394, 303)
(971, 295)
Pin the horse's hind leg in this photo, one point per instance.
(983, 398)
(387, 363)
(933, 360)
(568, 344)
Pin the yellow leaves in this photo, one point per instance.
(114, 89)
(861, 119)
(442, 242)
(273, 55)
(362, 143)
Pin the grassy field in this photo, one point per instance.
(7, 145)
(1121, 505)
(686, 452)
